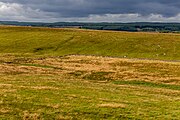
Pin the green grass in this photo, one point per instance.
(148, 84)
(46, 41)
(32, 88)
(40, 81)
(53, 98)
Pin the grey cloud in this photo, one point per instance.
(83, 8)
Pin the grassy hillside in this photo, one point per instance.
(105, 43)
(40, 81)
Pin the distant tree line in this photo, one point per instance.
(132, 27)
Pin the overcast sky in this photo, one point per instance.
(90, 10)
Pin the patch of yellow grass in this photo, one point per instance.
(118, 68)
(30, 116)
(4, 110)
(113, 105)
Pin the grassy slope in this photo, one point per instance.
(69, 41)
(36, 86)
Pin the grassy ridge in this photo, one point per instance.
(105, 43)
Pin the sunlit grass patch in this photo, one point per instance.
(55, 42)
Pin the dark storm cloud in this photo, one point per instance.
(84, 8)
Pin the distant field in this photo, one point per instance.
(105, 43)
(40, 79)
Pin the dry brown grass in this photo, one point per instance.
(87, 66)
(4, 110)
(29, 116)
(113, 105)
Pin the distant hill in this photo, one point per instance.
(132, 27)
(59, 42)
